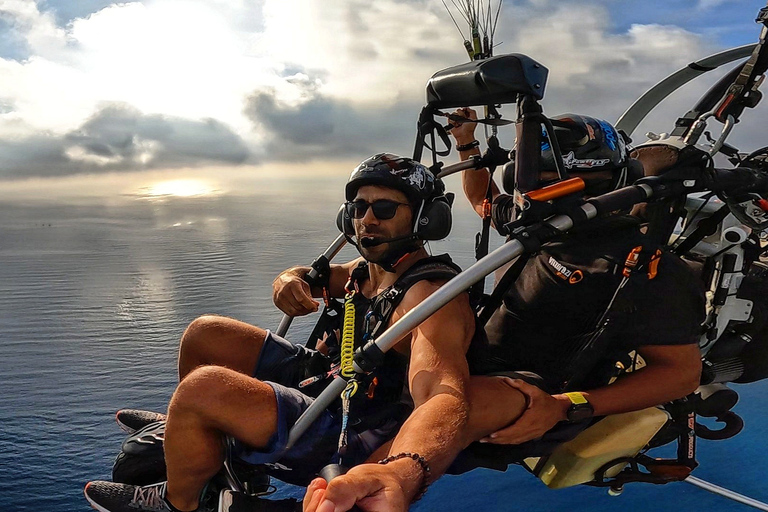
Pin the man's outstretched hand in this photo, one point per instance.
(372, 487)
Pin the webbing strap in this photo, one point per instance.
(507, 280)
(595, 348)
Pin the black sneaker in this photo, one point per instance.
(131, 420)
(112, 497)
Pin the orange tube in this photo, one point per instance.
(559, 189)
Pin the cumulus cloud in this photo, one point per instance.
(306, 123)
(120, 138)
(286, 80)
(592, 70)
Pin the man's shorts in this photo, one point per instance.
(500, 456)
(282, 365)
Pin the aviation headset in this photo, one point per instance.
(426, 194)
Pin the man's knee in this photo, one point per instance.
(213, 388)
(200, 389)
(203, 328)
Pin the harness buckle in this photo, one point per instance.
(487, 208)
(372, 388)
(633, 260)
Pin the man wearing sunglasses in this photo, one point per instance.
(241, 381)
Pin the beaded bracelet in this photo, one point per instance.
(425, 470)
(468, 146)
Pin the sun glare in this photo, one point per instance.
(180, 188)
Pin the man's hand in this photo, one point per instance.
(464, 133)
(292, 295)
(372, 487)
(543, 412)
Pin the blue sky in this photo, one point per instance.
(171, 87)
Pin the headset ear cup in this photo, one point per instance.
(344, 222)
(436, 219)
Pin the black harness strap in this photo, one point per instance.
(640, 263)
(495, 299)
(431, 268)
(704, 228)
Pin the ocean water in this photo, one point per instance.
(94, 296)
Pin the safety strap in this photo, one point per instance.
(328, 321)
(704, 228)
(594, 349)
(482, 241)
(749, 77)
(436, 267)
(506, 281)
(432, 268)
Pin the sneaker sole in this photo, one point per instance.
(92, 503)
(125, 428)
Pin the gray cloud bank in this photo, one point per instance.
(120, 138)
(593, 70)
(320, 127)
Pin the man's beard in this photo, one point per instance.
(391, 254)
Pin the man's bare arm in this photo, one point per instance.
(474, 182)
(438, 379)
(672, 372)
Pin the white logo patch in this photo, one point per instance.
(571, 161)
(417, 178)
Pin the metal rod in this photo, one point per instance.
(447, 293)
(726, 493)
(329, 253)
(457, 167)
(413, 318)
(321, 403)
(630, 119)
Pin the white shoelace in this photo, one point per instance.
(150, 497)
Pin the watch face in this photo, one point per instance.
(580, 412)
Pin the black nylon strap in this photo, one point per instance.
(431, 268)
(509, 277)
(704, 228)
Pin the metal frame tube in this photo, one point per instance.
(431, 304)
(329, 253)
(630, 119)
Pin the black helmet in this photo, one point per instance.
(588, 145)
(425, 192)
(401, 173)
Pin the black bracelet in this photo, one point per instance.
(468, 146)
(426, 472)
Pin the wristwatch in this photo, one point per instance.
(580, 408)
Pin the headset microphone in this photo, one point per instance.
(373, 242)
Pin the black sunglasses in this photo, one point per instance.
(383, 209)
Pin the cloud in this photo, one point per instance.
(120, 138)
(592, 70)
(306, 123)
(285, 81)
(709, 4)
